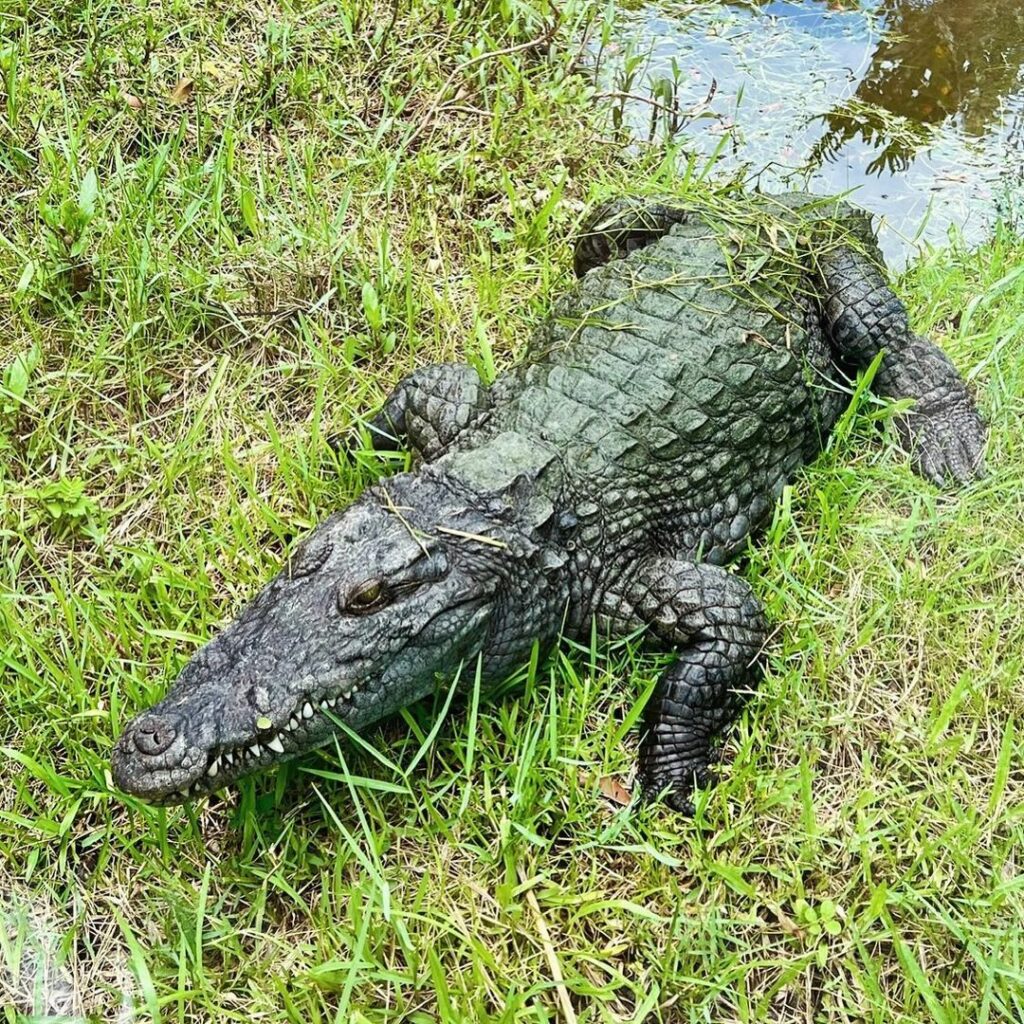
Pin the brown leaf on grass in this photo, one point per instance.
(131, 100)
(181, 91)
(614, 790)
(787, 924)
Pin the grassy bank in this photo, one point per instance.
(226, 230)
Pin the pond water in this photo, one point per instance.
(916, 105)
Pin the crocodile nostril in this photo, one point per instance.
(154, 734)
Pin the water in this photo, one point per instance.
(916, 105)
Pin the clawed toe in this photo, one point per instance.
(680, 804)
(944, 455)
(676, 790)
(671, 793)
(952, 464)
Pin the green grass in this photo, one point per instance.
(196, 295)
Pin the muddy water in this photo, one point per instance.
(916, 105)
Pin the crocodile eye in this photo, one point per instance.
(365, 597)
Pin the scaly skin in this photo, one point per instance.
(610, 476)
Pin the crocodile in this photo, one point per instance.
(610, 479)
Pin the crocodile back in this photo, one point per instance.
(677, 385)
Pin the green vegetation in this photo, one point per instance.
(227, 228)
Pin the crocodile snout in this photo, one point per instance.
(153, 734)
(155, 757)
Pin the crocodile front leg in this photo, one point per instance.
(714, 624)
(943, 431)
(428, 409)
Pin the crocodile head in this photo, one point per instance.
(375, 604)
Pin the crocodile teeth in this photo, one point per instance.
(214, 768)
(229, 757)
(255, 750)
(276, 745)
(333, 702)
(184, 791)
(293, 724)
(324, 704)
(307, 710)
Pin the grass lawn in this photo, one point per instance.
(227, 228)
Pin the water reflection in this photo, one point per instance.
(946, 59)
(904, 101)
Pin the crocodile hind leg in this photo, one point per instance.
(713, 623)
(943, 431)
(428, 409)
(619, 226)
